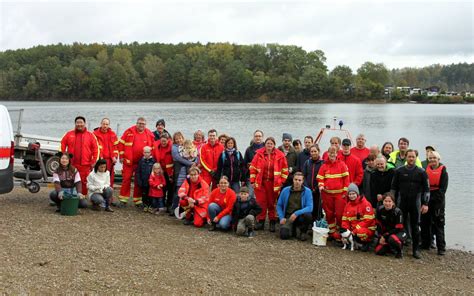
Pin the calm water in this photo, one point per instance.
(446, 127)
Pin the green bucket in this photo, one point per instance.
(69, 205)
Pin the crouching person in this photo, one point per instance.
(193, 198)
(98, 184)
(358, 217)
(295, 207)
(244, 213)
(66, 179)
(390, 228)
(221, 202)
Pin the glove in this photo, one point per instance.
(61, 195)
(81, 196)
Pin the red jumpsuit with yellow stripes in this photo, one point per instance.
(359, 218)
(268, 172)
(333, 179)
(208, 159)
(108, 149)
(131, 151)
(85, 150)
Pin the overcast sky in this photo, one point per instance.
(396, 33)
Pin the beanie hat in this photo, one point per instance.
(160, 121)
(353, 187)
(287, 136)
(244, 189)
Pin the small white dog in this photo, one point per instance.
(347, 239)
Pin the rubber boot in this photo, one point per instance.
(272, 225)
(260, 225)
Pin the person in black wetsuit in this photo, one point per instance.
(410, 187)
(390, 227)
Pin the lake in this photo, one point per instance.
(446, 127)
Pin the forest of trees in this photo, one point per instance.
(210, 72)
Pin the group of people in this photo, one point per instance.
(381, 197)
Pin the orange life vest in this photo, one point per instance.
(434, 176)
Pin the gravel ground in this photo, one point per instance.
(128, 251)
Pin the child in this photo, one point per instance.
(189, 151)
(390, 227)
(142, 175)
(157, 183)
(244, 213)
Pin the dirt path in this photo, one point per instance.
(129, 251)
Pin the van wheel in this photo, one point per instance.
(34, 187)
(51, 164)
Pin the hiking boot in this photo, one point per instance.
(303, 236)
(272, 225)
(187, 222)
(441, 252)
(251, 234)
(122, 205)
(364, 247)
(399, 255)
(109, 209)
(260, 225)
(416, 254)
(212, 227)
(95, 207)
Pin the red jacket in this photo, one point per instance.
(155, 181)
(225, 201)
(201, 196)
(132, 143)
(108, 143)
(333, 176)
(280, 168)
(358, 214)
(89, 149)
(361, 154)
(354, 165)
(209, 156)
(163, 156)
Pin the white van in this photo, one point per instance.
(7, 151)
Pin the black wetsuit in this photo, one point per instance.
(411, 189)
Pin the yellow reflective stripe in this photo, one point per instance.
(116, 142)
(252, 175)
(372, 227)
(284, 176)
(100, 147)
(123, 198)
(122, 141)
(128, 143)
(335, 190)
(319, 176)
(357, 226)
(276, 188)
(169, 166)
(368, 217)
(320, 184)
(334, 176)
(277, 173)
(349, 218)
(332, 225)
(344, 188)
(121, 152)
(362, 235)
(116, 151)
(344, 218)
(284, 170)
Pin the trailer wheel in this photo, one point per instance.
(51, 164)
(34, 187)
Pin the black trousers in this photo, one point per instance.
(432, 223)
(303, 222)
(411, 219)
(317, 211)
(168, 191)
(393, 244)
(145, 198)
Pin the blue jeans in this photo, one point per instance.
(157, 202)
(250, 187)
(214, 209)
(102, 199)
(235, 186)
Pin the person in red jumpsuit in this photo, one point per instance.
(83, 145)
(131, 151)
(268, 172)
(209, 157)
(194, 197)
(108, 146)
(359, 217)
(354, 164)
(333, 179)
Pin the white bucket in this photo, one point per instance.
(320, 236)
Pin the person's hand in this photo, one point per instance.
(293, 217)
(424, 209)
(321, 188)
(114, 160)
(191, 205)
(382, 240)
(283, 221)
(81, 196)
(191, 200)
(160, 186)
(379, 197)
(61, 195)
(215, 220)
